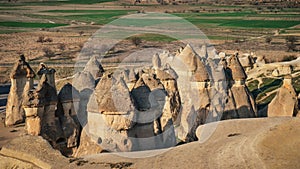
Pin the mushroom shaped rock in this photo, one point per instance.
(21, 75)
(200, 75)
(49, 72)
(238, 72)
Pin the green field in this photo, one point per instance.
(100, 17)
(30, 24)
(62, 2)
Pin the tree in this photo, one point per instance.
(291, 43)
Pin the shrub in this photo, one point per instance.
(268, 39)
(81, 33)
(48, 53)
(289, 58)
(40, 39)
(61, 46)
(136, 41)
(290, 43)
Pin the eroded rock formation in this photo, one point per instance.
(21, 75)
(285, 102)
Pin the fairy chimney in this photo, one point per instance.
(68, 101)
(21, 75)
(200, 76)
(156, 62)
(238, 73)
(188, 57)
(49, 72)
(130, 78)
(285, 102)
(94, 67)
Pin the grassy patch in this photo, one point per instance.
(98, 16)
(88, 11)
(241, 19)
(268, 99)
(52, 3)
(30, 24)
(261, 23)
(269, 84)
(253, 85)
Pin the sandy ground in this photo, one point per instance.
(244, 143)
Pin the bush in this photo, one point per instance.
(40, 39)
(290, 43)
(81, 33)
(48, 53)
(61, 46)
(136, 41)
(268, 39)
(289, 58)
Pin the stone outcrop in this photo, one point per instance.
(40, 105)
(282, 70)
(84, 83)
(68, 107)
(31, 152)
(49, 72)
(21, 75)
(94, 67)
(240, 101)
(285, 102)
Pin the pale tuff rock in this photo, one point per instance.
(115, 102)
(246, 62)
(21, 75)
(282, 70)
(193, 78)
(240, 103)
(87, 145)
(200, 74)
(21, 69)
(84, 83)
(150, 80)
(33, 150)
(130, 78)
(40, 105)
(83, 80)
(285, 102)
(113, 95)
(188, 56)
(49, 72)
(68, 106)
(94, 67)
(237, 70)
(156, 62)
